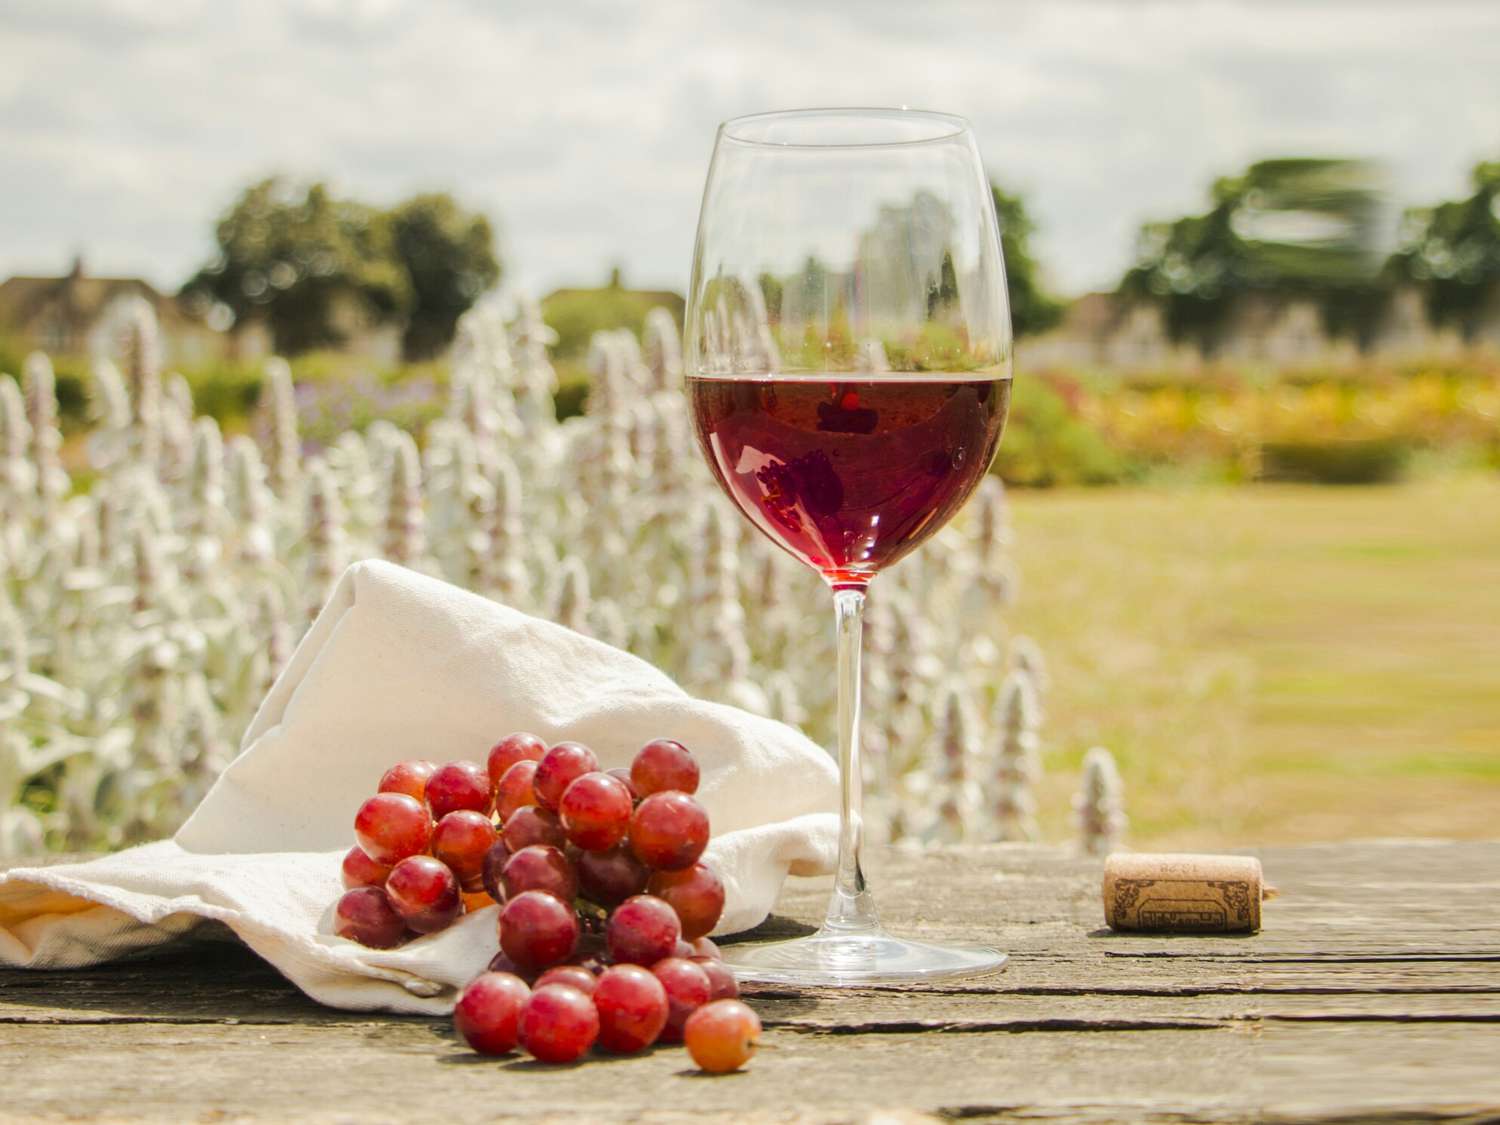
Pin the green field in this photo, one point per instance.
(1276, 663)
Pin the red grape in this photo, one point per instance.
(696, 893)
(595, 811)
(704, 947)
(391, 826)
(688, 989)
(359, 870)
(624, 775)
(668, 831)
(461, 840)
(459, 785)
(494, 865)
(575, 976)
(632, 1006)
(642, 931)
(558, 1023)
(538, 930)
(409, 778)
(721, 982)
(609, 878)
(424, 892)
(488, 1012)
(663, 764)
(539, 867)
(366, 915)
(560, 767)
(532, 825)
(513, 748)
(722, 1035)
(515, 791)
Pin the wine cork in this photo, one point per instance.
(1201, 894)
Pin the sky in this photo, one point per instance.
(584, 127)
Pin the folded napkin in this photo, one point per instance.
(400, 666)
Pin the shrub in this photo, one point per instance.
(1047, 444)
(1354, 461)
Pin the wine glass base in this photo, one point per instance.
(829, 959)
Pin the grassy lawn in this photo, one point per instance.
(1273, 664)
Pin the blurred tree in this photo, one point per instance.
(288, 255)
(448, 254)
(1032, 309)
(1299, 227)
(313, 266)
(1453, 252)
(771, 289)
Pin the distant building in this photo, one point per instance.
(79, 314)
(1105, 330)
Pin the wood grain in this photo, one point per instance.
(1373, 993)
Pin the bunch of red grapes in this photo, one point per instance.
(606, 908)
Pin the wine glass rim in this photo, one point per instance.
(945, 126)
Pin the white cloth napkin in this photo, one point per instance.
(399, 666)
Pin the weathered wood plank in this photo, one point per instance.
(1373, 994)
(406, 1069)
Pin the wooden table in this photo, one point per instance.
(1372, 994)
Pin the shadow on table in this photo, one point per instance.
(208, 981)
(217, 979)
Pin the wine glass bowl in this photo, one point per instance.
(847, 353)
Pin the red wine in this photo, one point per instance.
(849, 476)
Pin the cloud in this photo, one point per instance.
(584, 128)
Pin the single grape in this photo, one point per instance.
(424, 892)
(624, 775)
(558, 1024)
(663, 764)
(391, 826)
(688, 989)
(461, 840)
(683, 949)
(459, 785)
(722, 1035)
(488, 1012)
(409, 778)
(595, 811)
(642, 930)
(632, 1006)
(696, 893)
(539, 867)
(609, 878)
(575, 976)
(513, 748)
(359, 870)
(515, 790)
(365, 915)
(721, 982)
(494, 866)
(668, 831)
(564, 764)
(533, 825)
(704, 947)
(538, 930)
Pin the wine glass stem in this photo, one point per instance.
(852, 908)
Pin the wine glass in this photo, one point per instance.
(848, 360)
